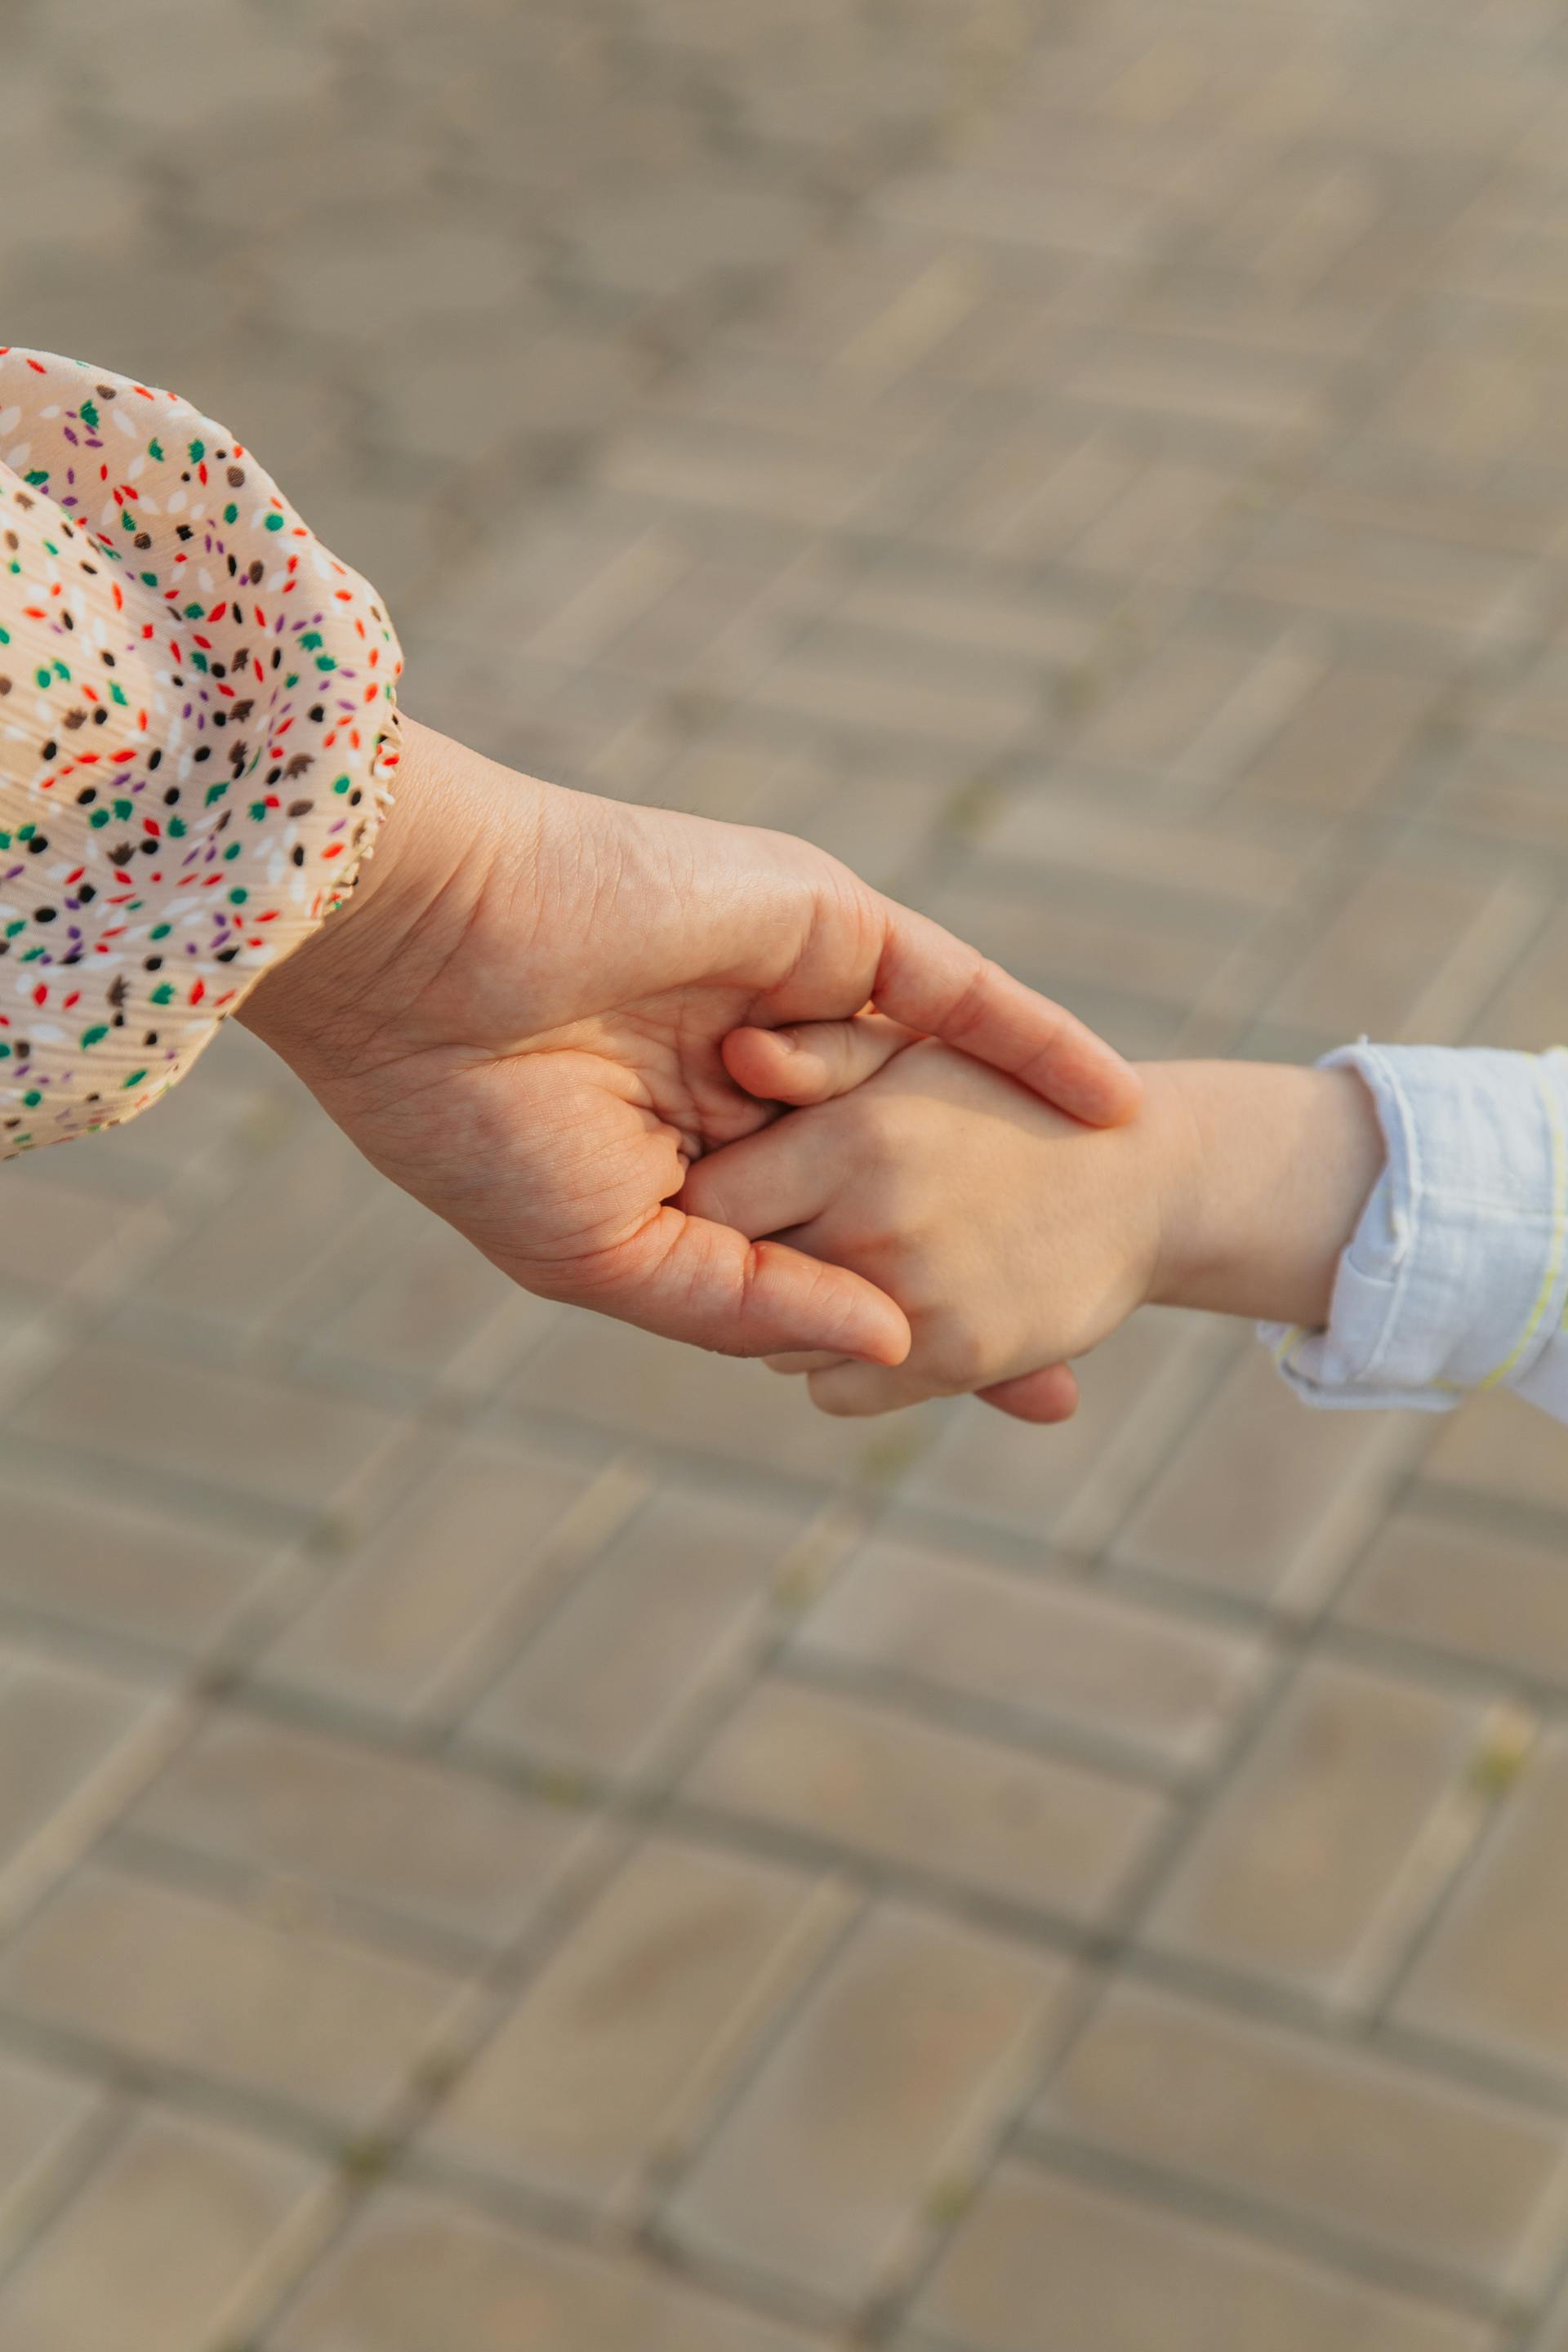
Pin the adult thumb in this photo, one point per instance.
(703, 1283)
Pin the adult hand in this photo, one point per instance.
(518, 1018)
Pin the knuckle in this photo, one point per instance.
(892, 1128)
(969, 1005)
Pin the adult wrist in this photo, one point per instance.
(382, 948)
(292, 1007)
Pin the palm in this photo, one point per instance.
(524, 1034)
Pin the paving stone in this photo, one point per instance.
(270, 1238)
(1408, 489)
(896, 2072)
(467, 1546)
(1495, 1447)
(986, 204)
(43, 2116)
(441, 270)
(435, 1298)
(1155, 717)
(1379, 577)
(1474, 1594)
(1346, 743)
(1059, 824)
(1036, 1650)
(749, 473)
(1264, 1500)
(172, 1978)
(417, 2273)
(632, 1640)
(1045, 2265)
(702, 229)
(1026, 497)
(1168, 523)
(731, 769)
(262, 1438)
(1504, 788)
(414, 1839)
(119, 1570)
(1377, 2153)
(1374, 963)
(577, 563)
(945, 609)
(1530, 1014)
(1257, 393)
(1071, 1484)
(60, 1725)
(1535, 706)
(163, 2233)
(53, 1233)
(1474, 403)
(1066, 945)
(854, 678)
(610, 1376)
(442, 399)
(1287, 1875)
(677, 1966)
(897, 1790)
(1492, 1972)
(869, 828)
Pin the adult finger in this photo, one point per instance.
(930, 982)
(1048, 1395)
(815, 1060)
(706, 1283)
(807, 1359)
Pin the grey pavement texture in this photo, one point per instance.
(513, 1839)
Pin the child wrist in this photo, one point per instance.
(1170, 1172)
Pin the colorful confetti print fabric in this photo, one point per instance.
(198, 734)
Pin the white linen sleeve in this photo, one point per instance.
(1456, 1278)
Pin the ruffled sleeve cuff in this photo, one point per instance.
(1456, 1278)
(199, 736)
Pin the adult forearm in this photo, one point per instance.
(1263, 1172)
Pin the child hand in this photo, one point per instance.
(1015, 1237)
(1011, 1235)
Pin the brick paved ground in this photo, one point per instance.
(513, 1840)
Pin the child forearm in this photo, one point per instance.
(1262, 1171)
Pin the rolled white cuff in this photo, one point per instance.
(1456, 1278)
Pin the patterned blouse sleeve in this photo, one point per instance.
(198, 735)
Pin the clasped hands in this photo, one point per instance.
(565, 1024)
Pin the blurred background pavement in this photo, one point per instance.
(515, 1839)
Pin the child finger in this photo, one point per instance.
(812, 1360)
(858, 1390)
(815, 1060)
(1048, 1395)
(781, 1177)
